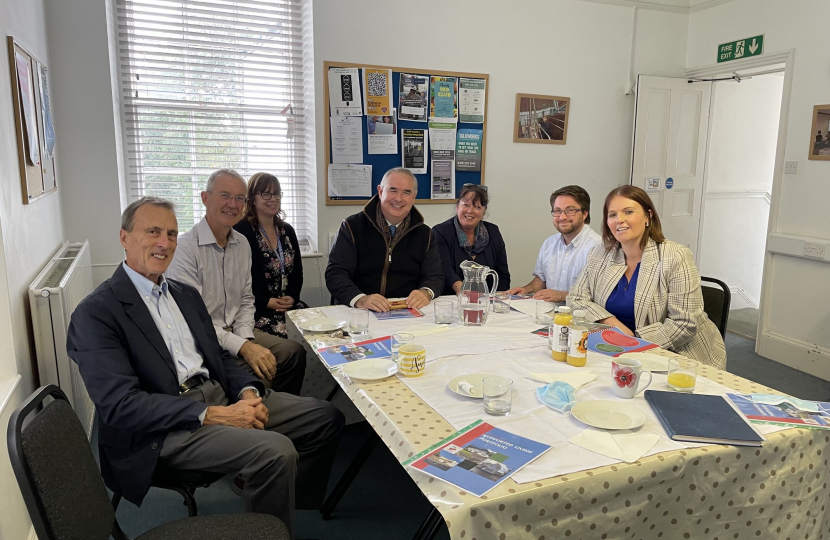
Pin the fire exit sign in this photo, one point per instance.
(743, 48)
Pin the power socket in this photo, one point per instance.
(814, 250)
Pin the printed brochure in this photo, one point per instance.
(614, 342)
(373, 348)
(478, 457)
(409, 313)
(783, 410)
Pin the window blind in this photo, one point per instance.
(209, 84)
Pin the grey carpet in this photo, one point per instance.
(743, 322)
(743, 361)
(382, 503)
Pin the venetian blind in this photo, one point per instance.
(210, 84)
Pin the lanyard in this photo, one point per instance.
(279, 251)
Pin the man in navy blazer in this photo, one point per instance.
(166, 392)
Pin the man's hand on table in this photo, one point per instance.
(417, 299)
(260, 359)
(549, 295)
(375, 302)
(245, 413)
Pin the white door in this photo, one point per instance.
(671, 124)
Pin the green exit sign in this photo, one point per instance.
(743, 48)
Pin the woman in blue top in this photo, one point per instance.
(644, 284)
(467, 237)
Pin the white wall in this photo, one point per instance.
(585, 56)
(87, 124)
(795, 326)
(744, 135)
(30, 236)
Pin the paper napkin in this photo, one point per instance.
(574, 379)
(627, 447)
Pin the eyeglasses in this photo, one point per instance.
(570, 212)
(266, 196)
(227, 197)
(474, 185)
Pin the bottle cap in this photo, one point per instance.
(563, 309)
(579, 313)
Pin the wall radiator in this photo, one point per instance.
(54, 295)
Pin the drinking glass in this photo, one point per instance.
(443, 311)
(543, 310)
(397, 341)
(497, 395)
(501, 302)
(682, 374)
(358, 322)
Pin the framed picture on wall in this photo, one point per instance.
(541, 119)
(820, 133)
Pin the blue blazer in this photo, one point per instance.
(494, 255)
(131, 377)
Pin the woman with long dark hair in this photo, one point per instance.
(276, 265)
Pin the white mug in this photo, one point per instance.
(626, 377)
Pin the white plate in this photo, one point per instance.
(651, 362)
(606, 414)
(321, 325)
(371, 369)
(474, 379)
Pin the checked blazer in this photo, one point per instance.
(668, 303)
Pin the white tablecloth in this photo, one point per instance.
(507, 347)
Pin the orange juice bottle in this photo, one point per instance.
(578, 340)
(558, 334)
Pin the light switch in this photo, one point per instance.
(790, 167)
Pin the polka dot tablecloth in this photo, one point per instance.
(778, 491)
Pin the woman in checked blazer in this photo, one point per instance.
(644, 284)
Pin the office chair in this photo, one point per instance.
(716, 300)
(66, 497)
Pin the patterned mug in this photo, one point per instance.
(412, 360)
(626, 377)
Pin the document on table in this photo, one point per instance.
(346, 139)
(350, 180)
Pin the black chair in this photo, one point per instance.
(66, 497)
(182, 482)
(716, 300)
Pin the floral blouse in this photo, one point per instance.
(276, 276)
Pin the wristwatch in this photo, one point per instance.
(429, 292)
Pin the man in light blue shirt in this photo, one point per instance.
(563, 255)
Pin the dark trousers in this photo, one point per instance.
(285, 466)
(291, 360)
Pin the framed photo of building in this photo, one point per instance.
(820, 133)
(541, 119)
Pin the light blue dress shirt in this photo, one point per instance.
(559, 265)
(171, 324)
(173, 328)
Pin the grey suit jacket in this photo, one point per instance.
(668, 303)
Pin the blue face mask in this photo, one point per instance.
(558, 395)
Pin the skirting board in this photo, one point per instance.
(743, 297)
(795, 353)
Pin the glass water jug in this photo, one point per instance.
(474, 297)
